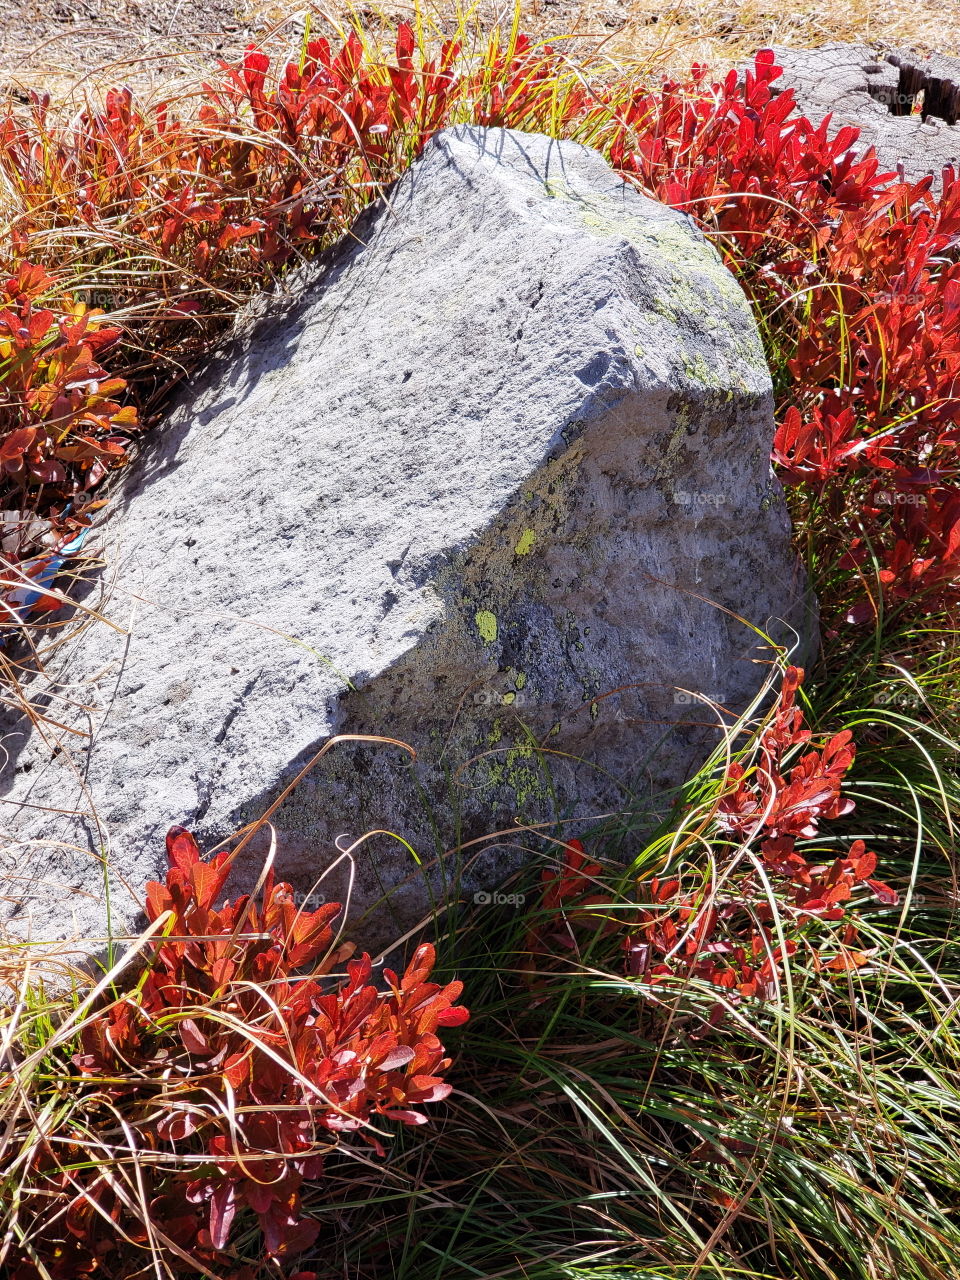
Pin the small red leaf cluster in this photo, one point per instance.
(228, 1080)
(571, 897)
(860, 270)
(58, 406)
(62, 427)
(766, 895)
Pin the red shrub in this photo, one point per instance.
(721, 930)
(58, 406)
(859, 269)
(231, 1077)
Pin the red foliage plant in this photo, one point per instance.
(861, 271)
(228, 1080)
(62, 426)
(858, 268)
(724, 932)
(57, 405)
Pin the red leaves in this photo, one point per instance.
(222, 1054)
(725, 930)
(15, 445)
(859, 270)
(184, 210)
(255, 68)
(818, 449)
(740, 159)
(573, 879)
(772, 807)
(182, 852)
(57, 404)
(790, 807)
(569, 898)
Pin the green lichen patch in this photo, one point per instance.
(486, 625)
(525, 543)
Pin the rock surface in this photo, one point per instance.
(877, 92)
(495, 480)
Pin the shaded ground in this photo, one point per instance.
(149, 42)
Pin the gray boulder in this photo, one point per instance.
(877, 92)
(494, 481)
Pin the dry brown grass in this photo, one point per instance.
(721, 32)
(154, 43)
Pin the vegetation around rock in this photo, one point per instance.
(725, 1047)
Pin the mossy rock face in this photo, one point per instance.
(495, 483)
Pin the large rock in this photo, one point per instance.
(877, 92)
(496, 480)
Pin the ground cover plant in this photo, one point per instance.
(734, 1058)
(208, 1087)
